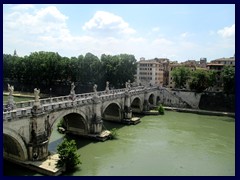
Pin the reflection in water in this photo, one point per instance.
(172, 144)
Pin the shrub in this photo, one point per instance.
(67, 154)
(114, 133)
(160, 109)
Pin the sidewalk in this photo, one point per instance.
(199, 111)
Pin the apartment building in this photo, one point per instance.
(218, 64)
(152, 72)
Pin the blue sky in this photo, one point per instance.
(178, 32)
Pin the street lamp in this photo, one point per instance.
(50, 94)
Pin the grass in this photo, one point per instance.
(16, 99)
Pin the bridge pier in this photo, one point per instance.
(97, 123)
(146, 104)
(127, 106)
(40, 131)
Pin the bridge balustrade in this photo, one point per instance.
(55, 103)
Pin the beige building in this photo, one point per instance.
(152, 72)
(218, 64)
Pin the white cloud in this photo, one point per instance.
(108, 22)
(183, 35)
(162, 42)
(46, 20)
(186, 35)
(227, 32)
(155, 29)
(21, 7)
(46, 30)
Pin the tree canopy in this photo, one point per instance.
(44, 69)
(228, 76)
(180, 76)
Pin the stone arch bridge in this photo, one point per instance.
(27, 127)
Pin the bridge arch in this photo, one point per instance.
(13, 145)
(151, 99)
(158, 100)
(137, 105)
(75, 121)
(112, 111)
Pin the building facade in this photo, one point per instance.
(152, 72)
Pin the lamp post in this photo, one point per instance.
(50, 94)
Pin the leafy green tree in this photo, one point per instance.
(67, 154)
(213, 76)
(46, 69)
(199, 80)
(228, 76)
(180, 76)
(118, 69)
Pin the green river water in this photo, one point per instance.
(175, 144)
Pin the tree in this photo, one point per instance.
(199, 80)
(228, 76)
(118, 69)
(67, 154)
(180, 76)
(213, 78)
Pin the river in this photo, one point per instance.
(175, 144)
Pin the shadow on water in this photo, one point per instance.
(108, 125)
(18, 170)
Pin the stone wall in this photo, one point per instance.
(191, 98)
(212, 101)
(217, 102)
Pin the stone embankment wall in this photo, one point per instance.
(191, 98)
(169, 98)
(217, 102)
(212, 101)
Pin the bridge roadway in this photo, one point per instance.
(28, 127)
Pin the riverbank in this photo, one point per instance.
(199, 111)
(24, 94)
(19, 95)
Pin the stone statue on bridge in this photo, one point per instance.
(72, 92)
(37, 97)
(10, 89)
(11, 103)
(95, 88)
(37, 108)
(107, 87)
(128, 85)
(36, 94)
(72, 88)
